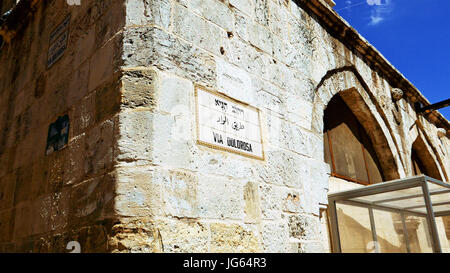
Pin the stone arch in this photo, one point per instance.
(354, 91)
(428, 155)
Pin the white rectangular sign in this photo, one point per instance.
(226, 124)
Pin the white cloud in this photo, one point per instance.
(374, 2)
(380, 11)
(374, 20)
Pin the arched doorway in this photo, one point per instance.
(348, 148)
(348, 84)
(352, 156)
(358, 146)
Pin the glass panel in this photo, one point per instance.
(418, 234)
(446, 220)
(444, 233)
(412, 202)
(441, 208)
(439, 198)
(390, 235)
(373, 165)
(437, 187)
(390, 195)
(354, 229)
(419, 210)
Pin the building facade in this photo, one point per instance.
(101, 124)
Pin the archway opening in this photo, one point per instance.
(348, 148)
(422, 161)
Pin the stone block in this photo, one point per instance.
(99, 148)
(291, 201)
(302, 227)
(58, 213)
(220, 198)
(219, 163)
(92, 200)
(139, 88)
(172, 140)
(183, 236)
(22, 192)
(7, 188)
(252, 203)
(148, 12)
(262, 12)
(170, 54)
(82, 115)
(137, 192)
(23, 219)
(84, 46)
(107, 26)
(107, 101)
(198, 31)
(299, 111)
(78, 85)
(282, 168)
(179, 193)
(271, 198)
(260, 37)
(246, 6)
(214, 11)
(275, 237)
(175, 95)
(40, 176)
(135, 136)
(6, 225)
(270, 102)
(101, 65)
(233, 238)
(234, 82)
(278, 19)
(311, 247)
(135, 235)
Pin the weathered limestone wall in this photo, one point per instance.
(48, 200)
(270, 54)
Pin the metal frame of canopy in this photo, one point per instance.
(399, 196)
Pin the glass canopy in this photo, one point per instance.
(405, 215)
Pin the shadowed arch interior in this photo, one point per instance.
(348, 148)
(422, 161)
(378, 154)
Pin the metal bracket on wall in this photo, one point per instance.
(432, 107)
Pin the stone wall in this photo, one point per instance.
(133, 178)
(275, 56)
(48, 200)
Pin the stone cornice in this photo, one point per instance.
(341, 30)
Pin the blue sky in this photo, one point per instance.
(414, 35)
